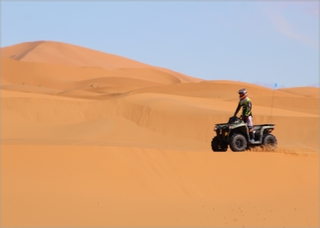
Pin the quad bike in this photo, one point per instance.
(235, 134)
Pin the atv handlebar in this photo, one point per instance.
(234, 119)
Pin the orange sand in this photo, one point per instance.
(93, 139)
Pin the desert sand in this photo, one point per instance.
(94, 139)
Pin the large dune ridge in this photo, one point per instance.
(94, 139)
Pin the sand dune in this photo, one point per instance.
(94, 139)
(304, 91)
(66, 54)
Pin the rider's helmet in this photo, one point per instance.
(242, 93)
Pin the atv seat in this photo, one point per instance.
(257, 127)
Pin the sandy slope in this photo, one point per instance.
(119, 186)
(93, 139)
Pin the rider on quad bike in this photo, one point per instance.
(240, 134)
(246, 116)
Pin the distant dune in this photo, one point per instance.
(95, 139)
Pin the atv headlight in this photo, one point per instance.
(215, 128)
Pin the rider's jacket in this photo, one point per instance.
(246, 105)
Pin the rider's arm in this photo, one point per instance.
(237, 110)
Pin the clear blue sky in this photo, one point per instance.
(261, 42)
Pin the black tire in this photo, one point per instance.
(238, 142)
(218, 145)
(270, 142)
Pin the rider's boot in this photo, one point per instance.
(251, 135)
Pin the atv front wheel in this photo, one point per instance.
(218, 145)
(270, 142)
(238, 142)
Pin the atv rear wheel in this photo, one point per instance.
(238, 142)
(218, 145)
(270, 142)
